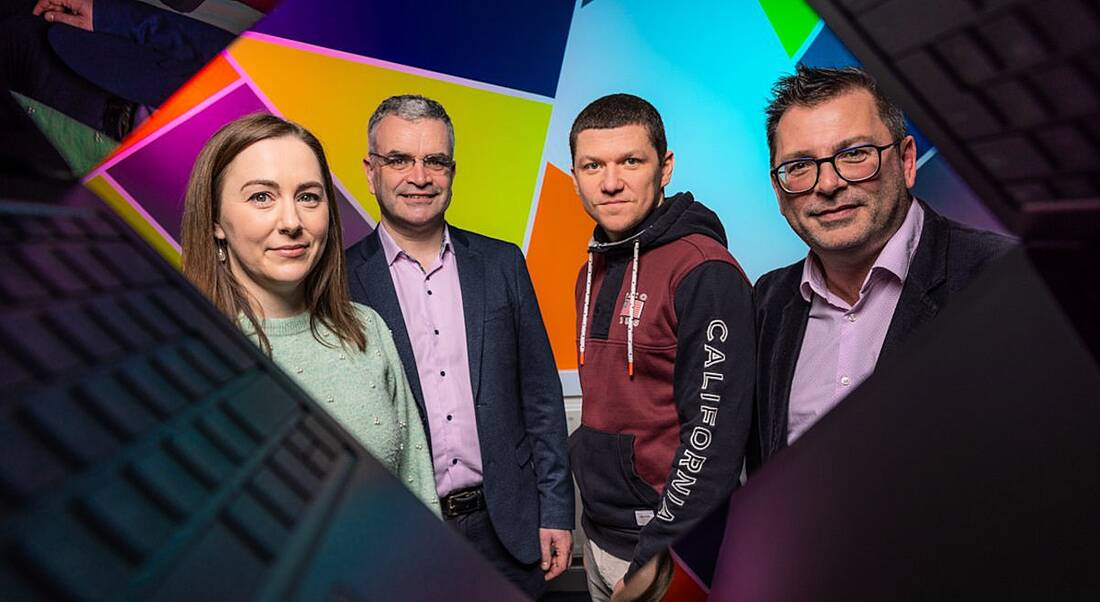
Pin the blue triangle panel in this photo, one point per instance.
(517, 45)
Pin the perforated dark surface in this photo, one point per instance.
(1008, 90)
(148, 451)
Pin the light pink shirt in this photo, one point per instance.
(842, 342)
(431, 304)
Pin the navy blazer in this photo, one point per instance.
(948, 256)
(137, 51)
(517, 393)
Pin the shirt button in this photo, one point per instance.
(844, 380)
(429, 291)
(443, 373)
(851, 317)
(449, 417)
(437, 331)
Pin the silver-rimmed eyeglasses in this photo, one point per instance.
(400, 162)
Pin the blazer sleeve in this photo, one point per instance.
(543, 406)
(176, 37)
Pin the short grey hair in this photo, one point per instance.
(410, 107)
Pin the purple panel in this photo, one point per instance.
(352, 225)
(156, 175)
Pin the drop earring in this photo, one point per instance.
(221, 252)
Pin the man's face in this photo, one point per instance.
(838, 216)
(413, 197)
(619, 177)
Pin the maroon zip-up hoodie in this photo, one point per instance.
(659, 448)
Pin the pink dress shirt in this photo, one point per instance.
(431, 304)
(842, 342)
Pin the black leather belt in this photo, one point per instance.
(462, 502)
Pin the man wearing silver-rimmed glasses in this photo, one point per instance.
(880, 265)
(470, 335)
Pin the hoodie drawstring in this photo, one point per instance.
(630, 317)
(633, 295)
(587, 297)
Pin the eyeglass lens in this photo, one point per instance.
(852, 164)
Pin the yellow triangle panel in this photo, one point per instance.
(499, 137)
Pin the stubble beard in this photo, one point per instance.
(881, 222)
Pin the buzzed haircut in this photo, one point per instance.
(618, 110)
(410, 107)
(811, 86)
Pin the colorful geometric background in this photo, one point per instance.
(513, 76)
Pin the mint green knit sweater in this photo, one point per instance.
(366, 392)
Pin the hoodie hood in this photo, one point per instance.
(678, 216)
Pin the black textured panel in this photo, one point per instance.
(26, 464)
(57, 418)
(146, 446)
(16, 282)
(106, 398)
(135, 521)
(44, 351)
(257, 524)
(195, 450)
(1008, 90)
(169, 481)
(273, 491)
(81, 331)
(75, 559)
(260, 407)
(227, 436)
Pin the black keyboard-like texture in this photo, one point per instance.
(147, 450)
(1016, 83)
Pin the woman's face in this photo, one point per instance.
(274, 217)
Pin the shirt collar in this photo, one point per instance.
(894, 258)
(393, 251)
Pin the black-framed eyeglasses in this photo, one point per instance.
(400, 162)
(853, 164)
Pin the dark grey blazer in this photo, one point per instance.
(948, 257)
(517, 392)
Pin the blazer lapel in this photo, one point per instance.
(375, 279)
(471, 277)
(919, 301)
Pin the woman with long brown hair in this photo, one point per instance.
(262, 239)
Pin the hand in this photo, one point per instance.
(617, 592)
(654, 575)
(557, 549)
(77, 13)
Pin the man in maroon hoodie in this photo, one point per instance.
(666, 348)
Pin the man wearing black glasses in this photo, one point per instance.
(880, 265)
(468, 329)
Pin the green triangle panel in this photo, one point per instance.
(793, 20)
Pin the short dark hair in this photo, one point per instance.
(410, 107)
(811, 86)
(618, 110)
